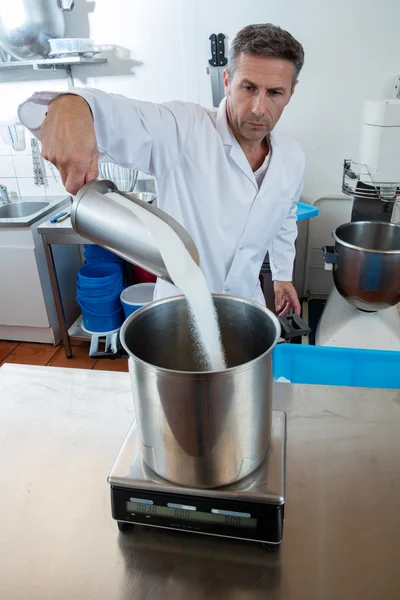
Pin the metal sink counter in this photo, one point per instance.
(29, 210)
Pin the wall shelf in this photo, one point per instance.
(53, 64)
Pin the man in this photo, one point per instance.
(225, 174)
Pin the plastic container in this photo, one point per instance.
(100, 275)
(306, 211)
(95, 254)
(136, 296)
(97, 293)
(143, 276)
(100, 305)
(94, 323)
(70, 46)
(324, 365)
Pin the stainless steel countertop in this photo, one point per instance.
(61, 233)
(54, 202)
(60, 430)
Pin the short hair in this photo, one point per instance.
(266, 40)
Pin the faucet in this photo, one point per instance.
(4, 194)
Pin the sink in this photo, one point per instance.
(17, 210)
(30, 210)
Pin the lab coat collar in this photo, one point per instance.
(236, 152)
(222, 125)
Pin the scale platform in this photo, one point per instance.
(251, 509)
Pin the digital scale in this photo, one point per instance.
(251, 509)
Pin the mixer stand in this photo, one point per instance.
(345, 326)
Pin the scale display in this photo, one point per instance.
(224, 517)
(191, 514)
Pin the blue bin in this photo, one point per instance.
(98, 290)
(136, 296)
(100, 275)
(101, 305)
(97, 254)
(323, 365)
(101, 323)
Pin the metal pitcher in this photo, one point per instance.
(103, 221)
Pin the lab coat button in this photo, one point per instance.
(241, 248)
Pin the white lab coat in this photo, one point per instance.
(204, 181)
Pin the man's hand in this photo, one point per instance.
(69, 141)
(285, 298)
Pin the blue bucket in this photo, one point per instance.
(97, 292)
(101, 324)
(102, 305)
(100, 275)
(98, 289)
(97, 254)
(136, 296)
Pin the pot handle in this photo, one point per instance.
(112, 349)
(293, 326)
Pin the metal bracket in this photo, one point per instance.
(66, 4)
(112, 349)
(397, 87)
(329, 255)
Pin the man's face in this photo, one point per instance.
(257, 93)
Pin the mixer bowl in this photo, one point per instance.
(366, 271)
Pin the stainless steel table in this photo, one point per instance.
(60, 430)
(60, 233)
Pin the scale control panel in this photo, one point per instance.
(252, 521)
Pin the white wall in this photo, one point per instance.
(352, 52)
(162, 51)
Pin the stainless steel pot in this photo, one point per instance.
(366, 268)
(27, 25)
(202, 429)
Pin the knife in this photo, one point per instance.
(217, 64)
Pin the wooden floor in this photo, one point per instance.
(27, 353)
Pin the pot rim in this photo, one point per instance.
(338, 240)
(200, 374)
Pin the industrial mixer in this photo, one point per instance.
(361, 310)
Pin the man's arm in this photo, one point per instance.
(281, 257)
(88, 124)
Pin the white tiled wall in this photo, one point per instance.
(6, 167)
(16, 172)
